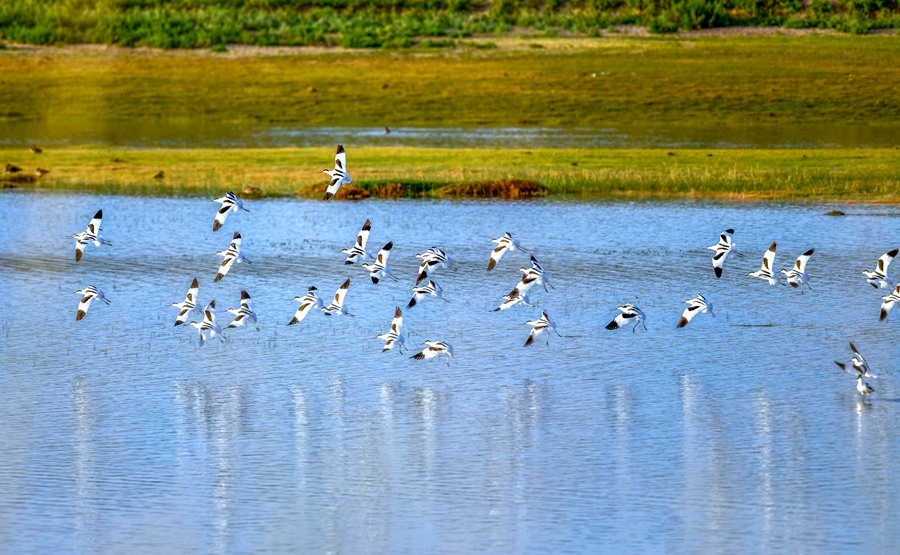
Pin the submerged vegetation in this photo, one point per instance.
(843, 175)
(402, 23)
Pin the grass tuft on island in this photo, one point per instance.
(832, 175)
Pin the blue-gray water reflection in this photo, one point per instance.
(737, 433)
(206, 134)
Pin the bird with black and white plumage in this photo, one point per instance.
(539, 326)
(336, 307)
(766, 271)
(888, 303)
(208, 328)
(434, 349)
(430, 289)
(243, 314)
(724, 250)
(88, 294)
(629, 314)
(230, 203)
(393, 336)
(536, 272)
(89, 235)
(10, 168)
(432, 259)
(339, 174)
(518, 295)
(358, 250)
(379, 269)
(862, 387)
(797, 276)
(188, 308)
(508, 242)
(697, 305)
(879, 277)
(231, 255)
(856, 364)
(308, 302)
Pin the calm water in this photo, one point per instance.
(121, 433)
(201, 133)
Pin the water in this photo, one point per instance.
(207, 134)
(736, 433)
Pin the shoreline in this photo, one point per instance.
(740, 175)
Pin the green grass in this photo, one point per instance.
(848, 175)
(400, 23)
(593, 83)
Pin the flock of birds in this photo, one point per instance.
(434, 259)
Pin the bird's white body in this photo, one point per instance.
(358, 250)
(537, 273)
(244, 314)
(432, 259)
(208, 328)
(188, 308)
(797, 276)
(339, 174)
(630, 313)
(393, 336)
(230, 203)
(430, 289)
(697, 305)
(379, 269)
(308, 302)
(539, 326)
(337, 305)
(434, 349)
(724, 250)
(90, 235)
(889, 301)
(766, 271)
(232, 255)
(88, 294)
(879, 277)
(508, 242)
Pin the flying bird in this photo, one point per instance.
(432, 259)
(508, 242)
(798, 277)
(358, 250)
(208, 327)
(380, 269)
(435, 348)
(766, 271)
(630, 313)
(857, 363)
(696, 306)
(230, 203)
(537, 273)
(540, 326)
(420, 292)
(188, 308)
(232, 255)
(888, 302)
(879, 277)
(393, 336)
(518, 295)
(339, 174)
(724, 250)
(89, 235)
(337, 305)
(88, 294)
(244, 314)
(310, 301)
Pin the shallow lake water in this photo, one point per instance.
(205, 134)
(122, 433)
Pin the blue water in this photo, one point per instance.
(121, 433)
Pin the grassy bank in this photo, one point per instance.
(401, 23)
(847, 175)
(593, 83)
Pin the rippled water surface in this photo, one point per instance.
(121, 433)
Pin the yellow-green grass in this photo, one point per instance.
(843, 175)
(593, 83)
